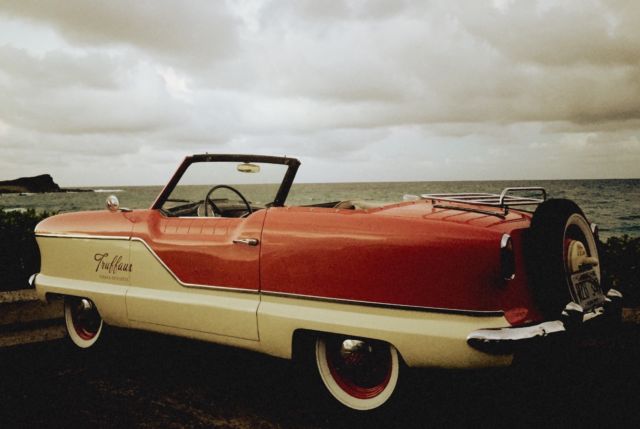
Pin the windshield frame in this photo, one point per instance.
(283, 191)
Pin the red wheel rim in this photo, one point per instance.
(363, 374)
(86, 323)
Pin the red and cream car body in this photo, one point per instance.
(453, 281)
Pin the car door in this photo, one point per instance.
(196, 273)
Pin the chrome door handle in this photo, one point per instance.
(247, 241)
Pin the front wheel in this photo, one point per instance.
(83, 322)
(361, 374)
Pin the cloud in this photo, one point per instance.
(192, 31)
(449, 89)
(61, 93)
(600, 33)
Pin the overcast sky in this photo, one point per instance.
(118, 92)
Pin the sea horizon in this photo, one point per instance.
(614, 204)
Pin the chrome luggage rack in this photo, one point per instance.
(502, 200)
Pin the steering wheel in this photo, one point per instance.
(215, 209)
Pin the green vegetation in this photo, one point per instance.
(620, 261)
(19, 256)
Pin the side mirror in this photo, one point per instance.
(112, 203)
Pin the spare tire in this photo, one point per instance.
(559, 231)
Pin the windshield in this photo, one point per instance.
(227, 189)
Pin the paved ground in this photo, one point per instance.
(145, 380)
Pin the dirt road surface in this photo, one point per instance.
(151, 381)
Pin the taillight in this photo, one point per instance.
(507, 259)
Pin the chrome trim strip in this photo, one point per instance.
(481, 313)
(83, 236)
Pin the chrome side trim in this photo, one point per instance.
(504, 241)
(84, 236)
(480, 313)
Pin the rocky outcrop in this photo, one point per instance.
(35, 184)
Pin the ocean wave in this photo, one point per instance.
(629, 217)
(108, 190)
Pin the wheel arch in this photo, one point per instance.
(302, 338)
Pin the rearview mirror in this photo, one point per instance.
(246, 167)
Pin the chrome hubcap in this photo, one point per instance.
(361, 368)
(85, 318)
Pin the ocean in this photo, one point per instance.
(613, 204)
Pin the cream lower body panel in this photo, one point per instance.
(424, 339)
(108, 298)
(222, 313)
(198, 335)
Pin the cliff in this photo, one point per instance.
(36, 184)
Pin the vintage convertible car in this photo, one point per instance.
(446, 280)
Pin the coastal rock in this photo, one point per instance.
(35, 184)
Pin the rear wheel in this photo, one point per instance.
(563, 245)
(361, 374)
(83, 322)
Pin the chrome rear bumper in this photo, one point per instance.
(573, 317)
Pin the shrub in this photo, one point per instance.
(19, 255)
(620, 259)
